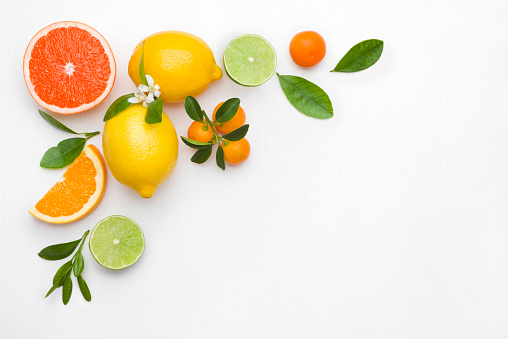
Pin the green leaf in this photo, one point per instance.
(227, 110)
(154, 112)
(142, 66)
(58, 125)
(193, 109)
(219, 158)
(59, 251)
(61, 274)
(202, 155)
(117, 106)
(307, 97)
(195, 144)
(79, 264)
(67, 290)
(237, 134)
(52, 289)
(62, 271)
(55, 123)
(361, 56)
(83, 287)
(64, 153)
(89, 135)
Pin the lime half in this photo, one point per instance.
(117, 242)
(250, 60)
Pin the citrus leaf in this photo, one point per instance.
(142, 66)
(361, 56)
(83, 287)
(307, 97)
(60, 276)
(89, 135)
(117, 106)
(59, 251)
(63, 154)
(52, 289)
(79, 264)
(62, 271)
(219, 158)
(67, 290)
(237, 134)
(195, 144)
(227, 110)
(154, 112)
(193, 109)
(55, 123)
(202, 155)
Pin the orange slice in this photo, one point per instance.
(69, 67)
(77, 193)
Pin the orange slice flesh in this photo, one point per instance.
(69, 67)
(77, 193)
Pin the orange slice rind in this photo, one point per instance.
(77, 193)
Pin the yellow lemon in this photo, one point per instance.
(180, 63)
(139, 155)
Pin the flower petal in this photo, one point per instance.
(149, 80)
(140, 96)
(134, 100)
(157, 93)
(143, 88)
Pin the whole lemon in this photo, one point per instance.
(140, 155)
(180, 63)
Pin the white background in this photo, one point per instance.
(387, 221)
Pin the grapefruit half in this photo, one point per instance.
(69, 67)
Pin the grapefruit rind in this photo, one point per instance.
(28, 56)
(93, 154)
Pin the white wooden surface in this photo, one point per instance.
(387, 221)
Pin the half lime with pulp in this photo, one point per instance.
(117, 242)
(250, 60)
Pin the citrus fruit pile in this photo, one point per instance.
(69, 68)
(203, 133)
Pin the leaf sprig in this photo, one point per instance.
(76, 265)
(154, 111)
(225, 113)
(67, 150)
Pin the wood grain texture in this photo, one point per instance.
(387, 221)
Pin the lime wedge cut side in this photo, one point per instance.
(117, 242)
(250, 60)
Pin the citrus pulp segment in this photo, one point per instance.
(250, 60)
(77, 193)
(69, 67)
(117, 242)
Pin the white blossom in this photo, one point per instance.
(151, 88)
(141, 97)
